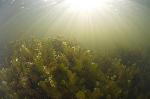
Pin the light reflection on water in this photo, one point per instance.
(124, 22)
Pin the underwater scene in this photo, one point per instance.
(74, 49)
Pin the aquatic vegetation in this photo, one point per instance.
(60, 69)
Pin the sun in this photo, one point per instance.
(83, 4)
(87, 5)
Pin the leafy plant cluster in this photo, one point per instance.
(60, 69)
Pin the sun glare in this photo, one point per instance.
(83, 4)
(88, 5)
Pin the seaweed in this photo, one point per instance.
(61, 69)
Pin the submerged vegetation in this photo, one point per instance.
(60, 69)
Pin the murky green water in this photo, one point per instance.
(93, 52)
(124, 22)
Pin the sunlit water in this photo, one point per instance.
(110, 23)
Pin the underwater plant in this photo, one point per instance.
(61, 69)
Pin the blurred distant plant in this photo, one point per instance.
(60, 69)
